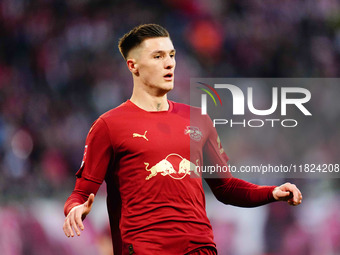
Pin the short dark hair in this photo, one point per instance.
(138, 34)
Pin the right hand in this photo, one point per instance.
(76, 216)
(288, 192)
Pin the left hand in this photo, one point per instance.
(288, 192)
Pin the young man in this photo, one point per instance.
(145, 151)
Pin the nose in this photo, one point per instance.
(170, 62)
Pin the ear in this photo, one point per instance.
(132, 65)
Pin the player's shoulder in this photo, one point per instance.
(110, 117)
(185, 107)
(195, 114)
(116, 112)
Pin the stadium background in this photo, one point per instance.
(60, 68)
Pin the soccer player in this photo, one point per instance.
(146, 150)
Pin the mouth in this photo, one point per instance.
(168, 76)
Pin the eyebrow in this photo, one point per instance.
(162, 51)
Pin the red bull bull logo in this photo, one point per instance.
(174, 165)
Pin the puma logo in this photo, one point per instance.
(138, 135)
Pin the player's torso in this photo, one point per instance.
(155, 147)
(155, 168)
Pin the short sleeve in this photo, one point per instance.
(97, 154)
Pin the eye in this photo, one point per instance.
(172, 55)
(157, 57)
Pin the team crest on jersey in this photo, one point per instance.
(173, 165)
(194, 133)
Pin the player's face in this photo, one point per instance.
(156, 64)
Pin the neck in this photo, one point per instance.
(149, 102)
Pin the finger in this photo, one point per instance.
(300, 197)
(90, 200)
(78, 220)
(279, 193)
(88, 205)
(67, 228)
(300, 194)
(74, 225)
(296, 196)
(291, 202)
(283, 194)
(91, 197)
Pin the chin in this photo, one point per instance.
(166, 89)
(168, 86)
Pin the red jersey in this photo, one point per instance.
(148, 160)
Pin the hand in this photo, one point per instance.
(76, 216)
(288, 192)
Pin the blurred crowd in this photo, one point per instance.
(60, 68)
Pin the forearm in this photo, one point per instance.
(80, 194)
(238, 192)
